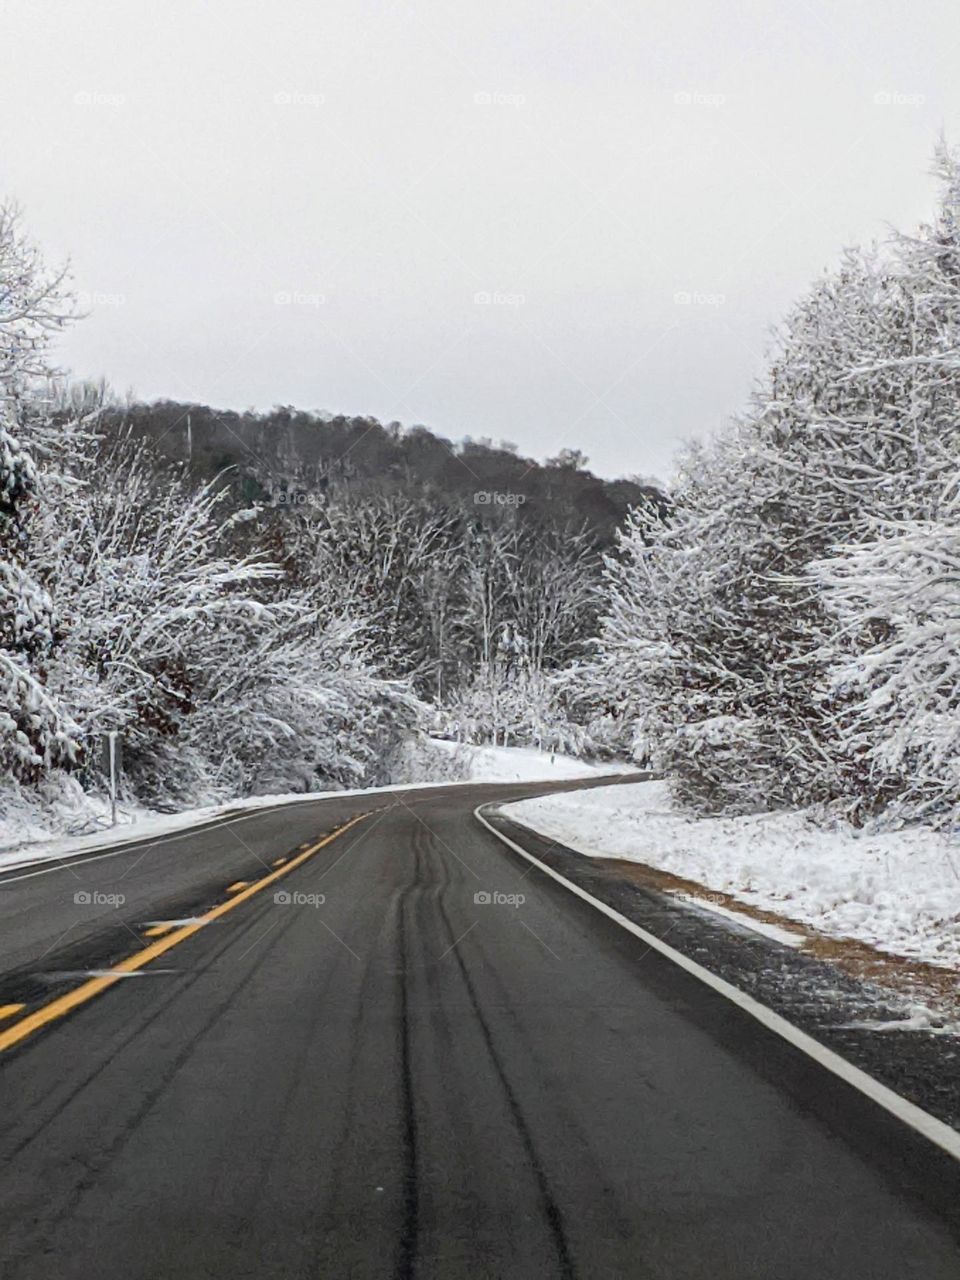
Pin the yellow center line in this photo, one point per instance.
(8, 1010)
(278, 862)
(156, 930)
(70, 1000)
(237, 886)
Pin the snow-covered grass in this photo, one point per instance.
(897, 890)
(64, 821)
(437, 759)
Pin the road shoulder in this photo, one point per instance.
(811, 991)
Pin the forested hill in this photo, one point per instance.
(288, 454)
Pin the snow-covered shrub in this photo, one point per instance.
(512, 706)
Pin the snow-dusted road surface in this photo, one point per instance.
(399, 1050)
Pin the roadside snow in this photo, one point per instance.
(136, 824)
(72, 822)
(789, 937)
(897, 890)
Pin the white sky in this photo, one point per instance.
(196, 159)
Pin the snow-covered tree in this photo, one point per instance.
(711, 610)
(513, 706)
(219, 676)
(898, 598)
(34, 735)
(395, 559)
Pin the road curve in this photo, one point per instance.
(410, 1054)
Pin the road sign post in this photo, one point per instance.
(110, 763)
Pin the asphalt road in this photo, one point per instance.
(403, 1080)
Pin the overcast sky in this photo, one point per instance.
(308, 203)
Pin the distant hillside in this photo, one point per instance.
(289, 453)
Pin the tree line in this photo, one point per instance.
(269, 601)
(276, 600)
(789, 633)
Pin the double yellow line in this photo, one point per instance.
(66, 1003)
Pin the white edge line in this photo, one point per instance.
(942, 1135)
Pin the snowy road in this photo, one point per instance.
(348, 1064)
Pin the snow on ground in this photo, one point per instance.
(35, 843)
(67, 821)
(440, 759)
(897, 890)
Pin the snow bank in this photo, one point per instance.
(897, 890)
